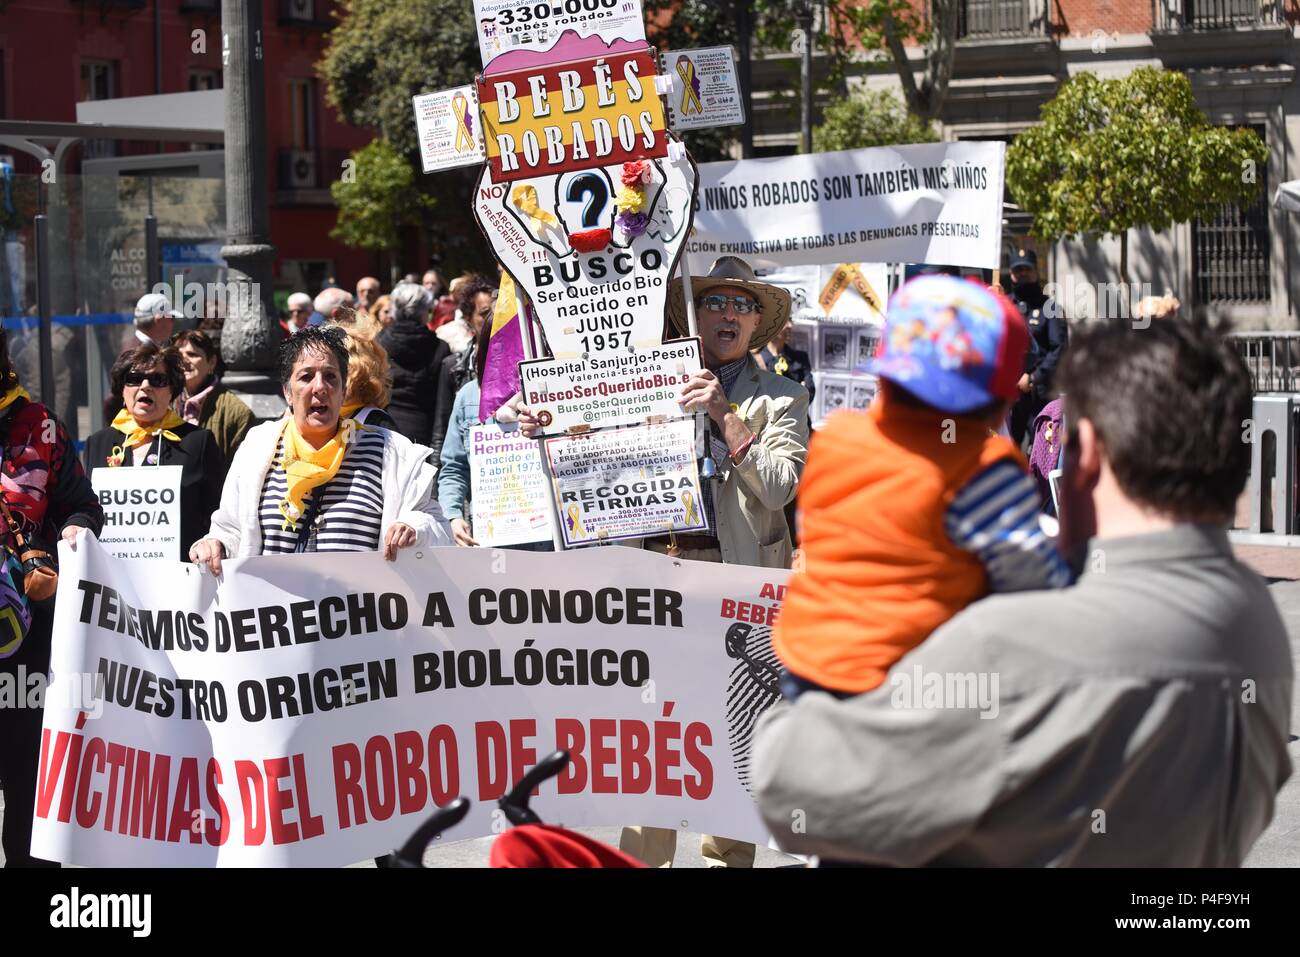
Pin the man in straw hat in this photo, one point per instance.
(758, 438)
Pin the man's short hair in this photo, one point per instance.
(329, 299)
(300, 300)
(1170, 402)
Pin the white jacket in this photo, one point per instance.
(409, 492)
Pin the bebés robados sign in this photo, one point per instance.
(593, 249)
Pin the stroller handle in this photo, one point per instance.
(411, 853)
(515, 804)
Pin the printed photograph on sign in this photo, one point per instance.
(548, 31)
(572, 116)
(833, 393)
(835, 347)
(862, 391)
(627, 483)
(868, 340)
(592, 249)
(447, 126)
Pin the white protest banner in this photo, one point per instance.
(549, 31)
(595, 270)
(577, 115)
(621, 389)
(627, 483)
(706, 91)
(313, 709)
(930, 203)
(507, 488)
(142, 510)
(447, 126)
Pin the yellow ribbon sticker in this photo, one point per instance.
(689, 501)
(781, 366)
(847, 274)
(464, 139)
(524, 199)
(575, 523)
(690, 93)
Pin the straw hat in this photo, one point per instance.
(773, 301)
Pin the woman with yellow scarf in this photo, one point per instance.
(317, 481)
(147, 433)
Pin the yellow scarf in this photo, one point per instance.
(137, 434)
(17, 392)
(306, 468)
(350, 409)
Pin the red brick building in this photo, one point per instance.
(56, 53)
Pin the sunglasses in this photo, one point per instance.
(156, 379)
(744, 306)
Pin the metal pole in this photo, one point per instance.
(43, 266)
(742, 11)
(707, 467)
(526, 338)
(152, 265)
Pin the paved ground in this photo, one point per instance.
(1279, 846)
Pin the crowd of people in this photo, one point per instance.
(926, 532)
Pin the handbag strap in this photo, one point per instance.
(12, 525)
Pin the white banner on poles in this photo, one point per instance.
(312, 709)
(142, 510)
(929, 203)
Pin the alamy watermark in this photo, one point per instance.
(198, 300)
(918, 689)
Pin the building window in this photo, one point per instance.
(98, 80)
(205, 80)
(1000, 19)
(1230, 251)
(302, 114)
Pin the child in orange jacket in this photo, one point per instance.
(914, 509)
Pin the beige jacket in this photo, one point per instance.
(748, 499)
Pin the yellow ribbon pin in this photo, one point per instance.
(464, 139)
(575, 523)
(525, 200)
(847, 274)
(686, 70)
(689, 501)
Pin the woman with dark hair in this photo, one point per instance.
(146, 432)
(205, 402)
(415, 355)
(476, 299)
(47, 495)
(318, 481)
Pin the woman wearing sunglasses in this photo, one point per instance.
(146, 433)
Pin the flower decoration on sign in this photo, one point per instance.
(633, 219)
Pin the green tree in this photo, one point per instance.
(380, 199)
(379, 55)
(870, 118)
(1115, 155)
(890, 25)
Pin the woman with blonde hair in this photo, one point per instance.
(382, 312)
(370, 383)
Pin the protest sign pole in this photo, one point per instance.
(707, 469)
(526, 338)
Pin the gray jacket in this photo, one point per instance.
(1139, 718)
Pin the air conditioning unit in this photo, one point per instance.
(303, 10)
(302, 169)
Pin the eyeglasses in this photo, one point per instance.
(156, 379)
(744, 306)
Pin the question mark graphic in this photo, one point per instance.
(597, 193)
